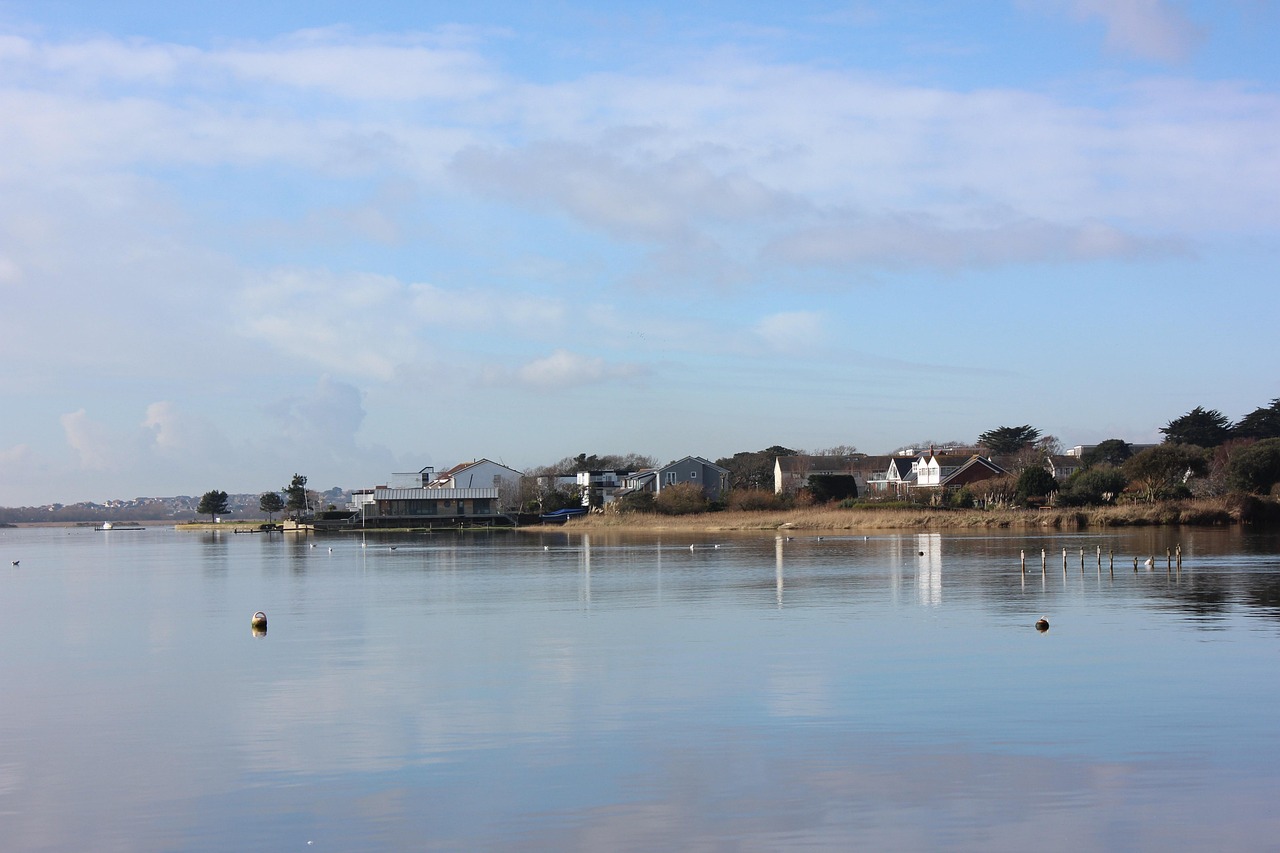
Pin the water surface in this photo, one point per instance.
(549, 691)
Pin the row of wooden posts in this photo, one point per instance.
(1170, 557)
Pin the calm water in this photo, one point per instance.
(527, 691)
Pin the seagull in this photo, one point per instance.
(330, 550)
(15, 562)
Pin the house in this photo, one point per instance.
(1062, 467)
(977, 468)
(936, 471)
(412, 479)
(713, 479)
(432, 507)
(600, 488)
(482, 474)
(792, 473)
(898, 477)
(691, 469)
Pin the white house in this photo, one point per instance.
(482, 474)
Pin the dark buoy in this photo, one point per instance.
(1042, 624)
(258, 622)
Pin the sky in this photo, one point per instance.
(241, 240)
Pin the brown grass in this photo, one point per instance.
(1203, 511)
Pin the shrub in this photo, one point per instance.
(635, 502)
(1098, 485)
(1035, 482)
(681, 499)
(1256, 468)
(754, 500)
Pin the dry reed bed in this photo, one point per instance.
(1204, 511)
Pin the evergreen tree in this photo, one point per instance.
(1200, 426)
(1006, 440)
(1260, 423)
(212, 503)
(270, 503)
(296, 502)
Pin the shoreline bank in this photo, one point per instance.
(1205, 512)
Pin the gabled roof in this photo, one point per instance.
(903, 466)
(967, 470)
(697, 459)
(857, 463)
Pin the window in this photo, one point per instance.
(693, 475)
(670, 478)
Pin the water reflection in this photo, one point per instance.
(929, 568)
(551, 691)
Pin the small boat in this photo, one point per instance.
(106, 525)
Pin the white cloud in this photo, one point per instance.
(564, 369)
(923, 242)
(792, 330)
(94, 446)
(360, 324)
(1148, 29)
(322, 422)
(336, 63)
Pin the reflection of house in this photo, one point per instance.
(791, 473)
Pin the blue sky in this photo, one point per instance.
(240, 240)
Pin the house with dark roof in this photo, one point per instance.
(898, 476)
(792, 473)
(713, 479)
(936, 471)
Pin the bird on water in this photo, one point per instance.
(1042, 624)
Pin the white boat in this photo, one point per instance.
(106, 525)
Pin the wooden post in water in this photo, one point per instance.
(1081, 561)
(1043, 562)
(1099, 556)
(1168, 559)
(1135, 564)
(1179, 553)
(1024, 561)
(1112, 555)
(1064, 561)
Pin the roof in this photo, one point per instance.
(382, 494)
(803, 464)
(699, 459)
